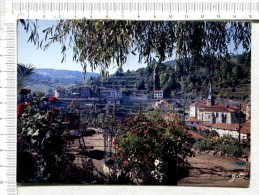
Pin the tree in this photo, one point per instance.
(119, 71)
(153, 150)
(96, 43)
(140, 85)
(23, 74)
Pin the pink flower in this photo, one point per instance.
(146, 132)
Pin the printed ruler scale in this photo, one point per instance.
(162, 10)
(122, 10)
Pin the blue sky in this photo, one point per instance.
(51, 58)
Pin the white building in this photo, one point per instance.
(193, 110)
(59, 92)
(158, 94)
(114, 101)
(231, 130)
(116, 93)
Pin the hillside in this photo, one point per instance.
(46, 80)
(231, 79)
(60, 76)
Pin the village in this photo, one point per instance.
(229, 119)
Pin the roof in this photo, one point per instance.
(195, 135)
(217, 108)
(225, 126)
(192, 119)
(246, 128)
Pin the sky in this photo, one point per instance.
(51, 58)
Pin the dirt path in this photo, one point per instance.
(215, 171)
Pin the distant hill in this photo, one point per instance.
(59, 76)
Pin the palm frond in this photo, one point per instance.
(23, 74)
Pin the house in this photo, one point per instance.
(164, 105)
(224, 129)
(192, 121)
(79, 92)
(114, 101)
(113, 96)
(158, 94)
(84, 92)
(193, 110)
(116, 93)
(59, 92)
(104, 93)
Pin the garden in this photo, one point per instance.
(144, 148)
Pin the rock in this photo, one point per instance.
(219, 153)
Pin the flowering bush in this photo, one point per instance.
(42, 155)
(152, 150)
(52, 99)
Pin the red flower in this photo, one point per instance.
(133, 131)
(146, 132)
(20, 109)
(115, 142)
(52, 99)
(28, 103)
(56, 110)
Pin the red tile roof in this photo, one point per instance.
(217, 108)
(192, 119)
(194, 135)
(225, 126)
(246, 128)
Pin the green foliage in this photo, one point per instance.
(23, 74)
(140, 85)
(226, 145)
(42, 155)
(148, 139)
(204, 144)
(212, 134)
(230, 149)
(115, 39)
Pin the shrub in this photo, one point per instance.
(42, 156)
(213, 133)
(230, 149)
(148, 140)
(204, 144)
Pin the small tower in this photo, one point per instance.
(210, 100)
